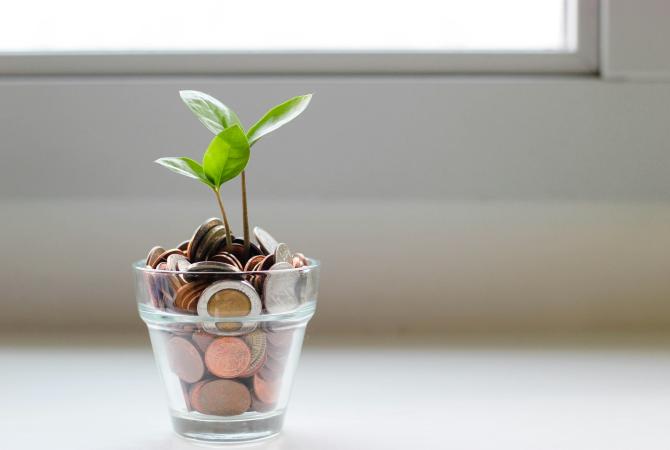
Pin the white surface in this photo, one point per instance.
(426, 397)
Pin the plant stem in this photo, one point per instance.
(229, 240)
(245, 215)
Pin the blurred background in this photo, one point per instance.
(478, 168)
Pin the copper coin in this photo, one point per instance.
(153, 254)
(183, 246)
(238, 251)
(194, 394)
(185, 360)
(227, 357)
(258, 345)
(226, 257)
(164, 256)
(257, 405)
(185, 295)
(267, 262)
(199, 233)
(222, 398)
(253, 248)
(202, 340)
(266, 391)
(253, 261)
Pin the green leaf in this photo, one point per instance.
(212, 113)
(185, 166)
(278, 116)
(226, 156)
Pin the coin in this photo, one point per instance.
(184, 360)
(194, 394)
(249, 266)
(222, 398)
(202, 339)
(308, 285)
(205, 270)
(238, 251)
(267, 392)
(279, 289)
(211, 243)
(164, 256)
(253, 248)
(257, 405)
(199, 234)
(227, 357)
(229, 298)
(267, 242)
(258, 345)
(153, 254)
(183, 246)
(187, 294)
(227, 258)
(283, 254)
(173, 262)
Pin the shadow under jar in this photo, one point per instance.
(227, 345)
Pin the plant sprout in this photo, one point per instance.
(228, 153)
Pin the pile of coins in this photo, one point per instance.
(226, 375)
(228, 367)
(210, 282)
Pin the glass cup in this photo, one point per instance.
(227, 345)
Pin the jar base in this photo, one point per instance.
(227, 430)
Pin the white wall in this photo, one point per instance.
(481, 203)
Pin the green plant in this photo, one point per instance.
(228, 153)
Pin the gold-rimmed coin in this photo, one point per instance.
(183, 246)
(229, 298)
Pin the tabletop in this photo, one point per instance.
(351, 394)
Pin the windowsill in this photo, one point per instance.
(455, 394)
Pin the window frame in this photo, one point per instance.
(584, 59)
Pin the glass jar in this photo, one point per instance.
(227, 345)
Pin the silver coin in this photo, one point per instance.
(308, 286)
(279, 289)
(267, 242)
(283, 254)
(245, 289)
(173, 261)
